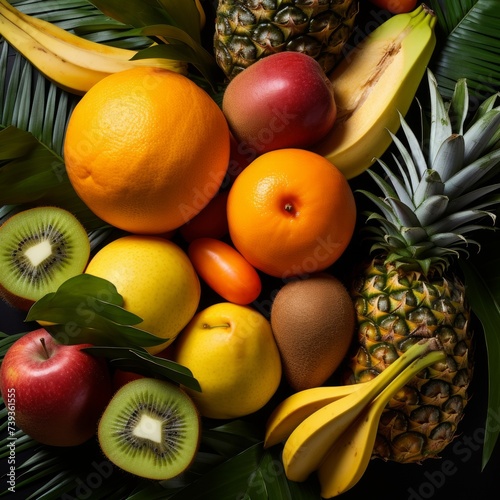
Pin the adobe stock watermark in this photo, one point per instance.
(280, 119)
(10, 403)
(85, 486)
(259, 480)
(463, 449)
(86, 311)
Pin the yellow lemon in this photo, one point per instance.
(156, 280)
(231, 351)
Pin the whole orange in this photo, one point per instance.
(291, 212)
(146, 149)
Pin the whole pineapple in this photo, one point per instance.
(433, 199)
(247, 30)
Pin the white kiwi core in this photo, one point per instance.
(39, 252)
(149, 428)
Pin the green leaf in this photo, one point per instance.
(32, 125)
(6, 341)
(139, 13)
(482, 279)
(84, 19)
(175, 24)
(144, 363)
(232, 437)
(469, 45)
(254, 473)
(190, 53)
(88, 309)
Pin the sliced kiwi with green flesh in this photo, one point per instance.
(150, 428)
(40, 248)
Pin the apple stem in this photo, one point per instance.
(42, 341)
(223, 325)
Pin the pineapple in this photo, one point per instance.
(434, 198)
(247, 30)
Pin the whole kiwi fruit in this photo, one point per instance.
(41, 248)
(150, 428)
(313, 323)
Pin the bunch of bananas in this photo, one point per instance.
(71, 62)
(332, 430)
(374, 84)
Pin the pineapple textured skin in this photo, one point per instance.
(247, 30)
(396, 309)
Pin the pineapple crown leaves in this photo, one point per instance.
(438, 191)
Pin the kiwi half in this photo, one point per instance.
(40, 248)
(150, 428)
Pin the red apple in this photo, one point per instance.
(283, 100)
(57, 392)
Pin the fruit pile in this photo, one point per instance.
(167, 326)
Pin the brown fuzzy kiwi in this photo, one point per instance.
(150, 428)
(313, 323)
(40, 248)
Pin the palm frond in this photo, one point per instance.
(32, 128)
(468, 46)
(83, 18)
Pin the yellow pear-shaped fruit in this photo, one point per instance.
(156, 280)
(231, 351)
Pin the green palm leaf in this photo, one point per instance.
(468, 45)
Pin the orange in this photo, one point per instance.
(291, 212)
(146, 149)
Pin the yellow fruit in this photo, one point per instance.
(232, 353)
(156, 280)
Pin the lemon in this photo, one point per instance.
(156, 280)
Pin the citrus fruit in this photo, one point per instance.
(146, 149)
(156, 280)
(231, 351)
(291, 212)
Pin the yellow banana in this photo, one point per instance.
(297, 407)
(311, 440)
(71, 62)
(378, 78)
(348, 458)
(67, 75)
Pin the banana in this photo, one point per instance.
(375, 80)
(297, 407)
(347, 460)
(201, 11)
(308, 444)
(67, 75)
(70, 61)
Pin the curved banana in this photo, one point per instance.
(67, 75)
(48, 34)
(308, 444)
(71, 62)
(346, 462)
(297, 407)
(201, 11)
(378, 78)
